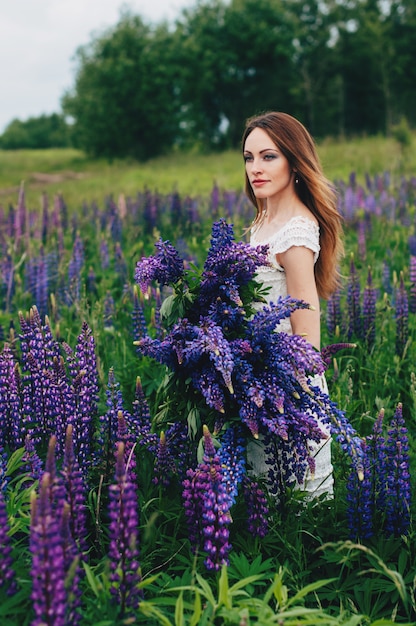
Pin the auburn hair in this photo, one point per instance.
(313, 189)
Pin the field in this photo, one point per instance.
(109, 513)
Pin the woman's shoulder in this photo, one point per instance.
(297, 226)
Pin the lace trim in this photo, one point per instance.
(298, 231)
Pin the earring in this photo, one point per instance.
(296, 179)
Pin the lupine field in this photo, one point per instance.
(134, 368)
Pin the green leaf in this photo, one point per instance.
(223, 588)
(179, 610)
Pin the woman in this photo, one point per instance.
(297, 217)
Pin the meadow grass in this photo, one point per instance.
(79, 178)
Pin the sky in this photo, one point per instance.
(38, 41)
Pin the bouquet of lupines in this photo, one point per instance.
(228, 365)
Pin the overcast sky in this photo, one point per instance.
(38, 39)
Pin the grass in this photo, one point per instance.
(79, 178)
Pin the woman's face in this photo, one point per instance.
(268, 170)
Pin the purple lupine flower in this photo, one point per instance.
(376, 449)
(138, 318)
(398, 493)
(386, 278)
(73, 572)
(84, 377)
(257, 508)
(32, 463)
(232, 459)
(207, 504)
(56, 485)
(369, 311)
(412, 276)
(75, 266)
(104, 254)
(48, 573)
(123, 530)
(124, 435)
(165, 268)
(7, 573)
(150, 211)
(360, 500)
(210, 340)
(176, 207)
(329, 351)
(10, 400)
(402, 317)
(107, 437)
(362, 247)
(141, 421)
(353, 302)
(215, 201)
(334, 313)
(164, 463)
(75, 493)
(40, 288)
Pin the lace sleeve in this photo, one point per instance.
(299, 231)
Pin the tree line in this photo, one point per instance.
(343, 67)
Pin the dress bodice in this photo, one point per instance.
(298, 231)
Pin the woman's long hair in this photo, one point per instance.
(313, 189)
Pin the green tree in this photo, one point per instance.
(236, 60)
(124, 101)
(45, 131)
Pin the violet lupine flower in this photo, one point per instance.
(75, 493)
(412, 276)
(165, 466)
(48, 572)
(104, 254)
(7, 573)
(57, 492)
(124, 435)
(123, 530)
(360, 499)
(32, 463)
(84, 373)
(376, 449)
(402, 317)
(362, 247)
(207, 504)
(75, 266)
(73, 572)
(141, 421)
(329, 351)
(165, 268)
(386, 278)
(209, 340)
(398, 492)
(353, 302)
(10, 401)
(369, 311)
(232, 457)
(138, 318)
(107, 437)
(334, 313)
(257, 508)
(42, 284)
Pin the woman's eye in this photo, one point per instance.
(269, 157)
(247, 157)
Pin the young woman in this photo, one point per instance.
(297, 217)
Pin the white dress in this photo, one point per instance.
(298, 231)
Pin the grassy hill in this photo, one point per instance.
(79, 178)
